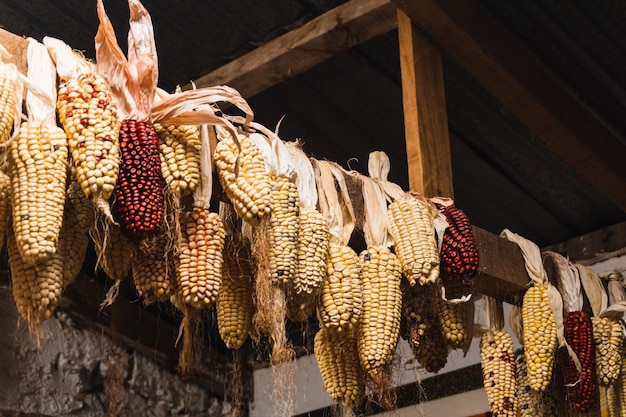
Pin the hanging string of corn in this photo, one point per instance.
(579, 378)
(88, 113)
(538, 316)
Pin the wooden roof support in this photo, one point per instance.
(491, 54)
(425, 117)
(300, 49)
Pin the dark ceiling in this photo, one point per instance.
(505, 175)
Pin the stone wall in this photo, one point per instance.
(70, 371)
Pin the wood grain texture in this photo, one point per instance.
(594, 247)
(425, 118)
(16, 46)
(302, 48)
(488, 51)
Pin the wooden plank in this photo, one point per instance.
(595, 246)
(293, 53)
(425, 118)
(487, 50)
(16, 46)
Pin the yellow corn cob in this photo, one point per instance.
(180, 156)
(88, 114)
(235, 305)
(539, 336)
(531, 403)
(453, 319)
(379, 328)
(114, 250)
(243, 178)
(73, 238)
(199, 272)
(8, 76)
(422, 325)
(313, 240)
(36, 289)
(413, 233)
(608, 337)
(38, 174)
(5, 206)
(338, 363)
(340, 300)
(620, 388)
(154, 270)
(283, 227)
(498, 366)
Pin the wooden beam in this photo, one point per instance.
(490, 53)
(425, 117)
(293, 53)
(16, 46)
(595, 246)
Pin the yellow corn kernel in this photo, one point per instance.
(180, 157)
(5, 206)
(411, 227)
(88, 113)
(539, 336)
(340, 300)
(243, 177)
(313, 239)
(454, 320)
(36, 289)
(339, 367)
(235, 305)
(498, 367)
(38, 171)
(199, 272)
(8, 76)
(283, 228)
(379, 327)
(114, 251)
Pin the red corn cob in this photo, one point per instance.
(579, 335)
(139, 192)
(459, 254)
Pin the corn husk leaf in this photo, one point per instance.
(69, 63)
(334, 201)
(305, 175)
(592, 284)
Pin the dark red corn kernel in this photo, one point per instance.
(138, 205)
(459, 252)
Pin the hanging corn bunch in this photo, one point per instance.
(578, 363)
(153, 270)
(38, 164)
(11, 90)
(497, 359)
(411, 225)
(538, 316)
(88, 114)
(456, 318)
(532, 403)
(340, 301)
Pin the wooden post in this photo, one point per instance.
(425, 117)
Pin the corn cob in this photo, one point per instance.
(5, 205)
(88, 114)
(312, 245)
(539, 336)
(234, 304)
(180, 156)
(199, 272)
(138, 203)
(114, 250)
(340, 300)
(413, 233)
(8, 76)
(154, 270)
(453, 319)
(243, 177)
(379, 329)
(498, 366)
(459, 254)
(38, 175)
(73, 238)
(531, 403)
(283, 228)
(620, 388)
(580, 387)
(422, 326)
(608, 337)
(338, 363)
(36, 289)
